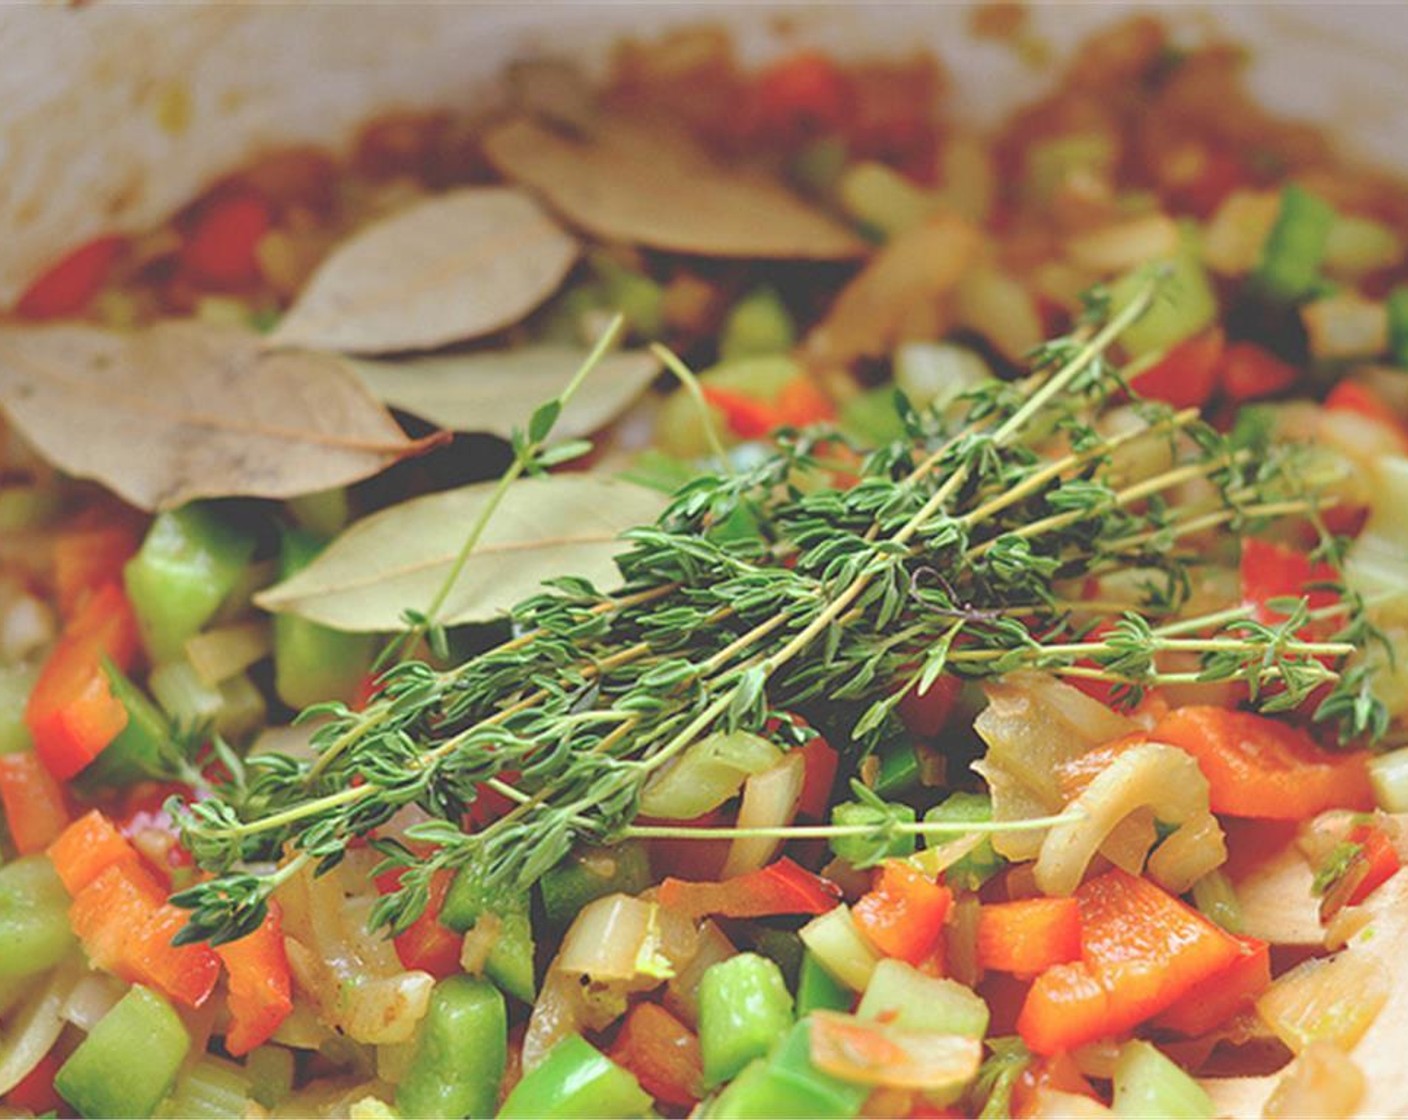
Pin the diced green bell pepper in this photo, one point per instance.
(34, 929)
(140, 749)
(592, 873)
(1184, 304)
(865, 850)
(510, 962)
(129, 1060)
(575, 1080)
(744, 1008)
(817, 991)
(312, 662)
(757, 324)
(460, 1052)
(1295, 249)
(899, 770)
(788, 1084)
(190, 560)
(982, 863)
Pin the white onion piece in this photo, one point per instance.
(557, 1012)
(682, 992)
(479, 943)
(770, 800)
(614, 938)
(27, 628)
(387, 1009)
(92, 998)
(35, 1028)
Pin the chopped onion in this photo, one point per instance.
(961, 944)
(1234, 239)
(1124, 245)
(770, 800)
(840, 948)
(1322, 1082)
(35, 1028)
(1000, 309)
(1332, 999)
(387, 1009)
(218, 654)
(682, 991)
(1055, 1104)
(92, 998)
(709, 773)
(479, 943)
(557, 1012)
(27, 628)
(614, 938)
(1388, 774)
(870, 1053)
(1345, 325)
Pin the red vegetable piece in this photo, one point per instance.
(779, 888)
(70, 284)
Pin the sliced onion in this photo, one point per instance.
(220, 653)
(92, 998)
(709, 773)
(869, 1053)
(35, 1027)
(557, 1012)
(1324, 1081)
(682, 991)
(614, 938)
(770, 800)
(1333, 1000)
(387, 1009)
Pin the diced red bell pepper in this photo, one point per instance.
(1142, 950)
(802, 402)
(1269, 570)
(662, 1053)
(88, 558)
(261, 986)
(220, 247)
(746, 417)
(35, 810)
(72, 714)
(1260, 767)
(1186, 376)
(803, 93)
(779, 888)
(928, 714)
(1250, 372)
(1377, 862)
(70, 284)
(1356, 397)
(1028, 936)
(35, 1092)
(87, 848)
(903, 914)
(1209, 1005)
(818, 776)
(426, 944)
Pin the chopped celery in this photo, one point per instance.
(757, 324)
(709, 773)
(510, 961)
(744, 1007)
(1215, 896)
(635, 295)
(880, 198)
(1356, 246)
(575, 1080)
(901, 995)
(1398, 326)
(1148, 1084)
(591, 873)
(140, 749)
(129, 1060)
(1289, 270)
(34, 929)
(1184, 304)
(935, 374)
(982, 863)
(324, 514)
(1388, 774)
(873, 417)
(16, 683)
(314, 663)
(788, 1084)
(189, 562)
(210, 1089)
(816, 990)
(460, 1052)
(1050, 162)
(865, 850)
(233, 708)
(271, 1072)
(839, 948)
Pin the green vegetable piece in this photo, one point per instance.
(744, 1007)
(817, 991)
(679, 430)
(141, 748)
(817, 167)
(982, 863)
(999, 1075)
(872, 417)
(1148, 1084)
(709, 773)
(324, 514)
(757, 324)
(1295, 249)
(461, 1050)
(788, 1084)
(656, 470)
(865, 851)
(190, 561)
(16, 683)
(210, 1089)
(899, 770)
(1356, 246)
(1215, 896)
(129, 1060)
(904, 997)
(1185, 304)
(1398, 326)
(575, 1080)
(636, 296)
(271, 1071)
(591, 873)
(34, 929)
(510, 961)
(312, 662)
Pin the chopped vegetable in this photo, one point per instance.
(903, 915)
(261, 993)
(33, 926)
(744, 1006)
(901, 995)
(1147, 1083)
(33, 802)
(1030, 935)
(1289, 270)
(575, 1080)
(779, 888)
(461, 1049)
(662, 1053)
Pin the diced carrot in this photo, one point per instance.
(1186, 376)
(662, 1053)
(220, 246)
(903, 914)
(69, 285)
(1356, 397)
(261, 992)
(1029, 936)
(1259, 767)
(1209, 1005)
(1250, 372)
(779, 888)
(87, 848)
(35, 811)
(1142, 950)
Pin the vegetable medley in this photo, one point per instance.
(725, 594)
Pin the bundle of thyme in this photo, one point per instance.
(774, 591)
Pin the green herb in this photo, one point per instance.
(946, 556)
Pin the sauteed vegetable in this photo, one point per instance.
(725, 594)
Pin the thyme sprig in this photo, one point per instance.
(773, 591)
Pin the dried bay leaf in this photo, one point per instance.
(495, 390)
(185, 410)
(643, 183)
(397, 559)
(455, 267)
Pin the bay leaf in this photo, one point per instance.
(644, 183)
(186, 410)
(455, 267)
(397, 559)
(496, 390)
